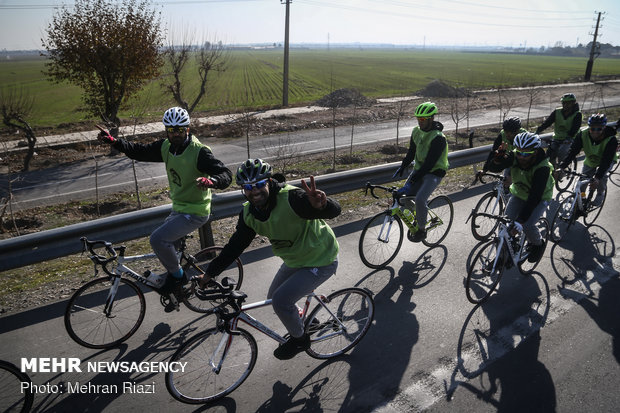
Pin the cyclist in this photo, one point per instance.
(293, 221)
(532, 186)
(503, 143)
(428, 147)
(599, 144)
(567, 121)
(192, 172)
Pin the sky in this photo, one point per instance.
(526, 23)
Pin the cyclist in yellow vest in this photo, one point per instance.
(532, 186)
(599, 143)
(566, 123)
(192, 171)
(429, 149)
(503, 143)
(293, 221)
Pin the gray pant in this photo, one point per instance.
(164, 238)
(422, 190)
(291, 285)
(558, 150)
(602, 185)
(532, 234)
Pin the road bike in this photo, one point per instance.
(382, 236)
(563, 183)
(577, 204)
(108, 310)
(13, 396)
(509, 248)
(221, 358)
(493, 202)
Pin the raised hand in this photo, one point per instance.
(317, 198)
(104, 136)
(204, 183)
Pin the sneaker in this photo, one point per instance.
(598, 200)
(419, 236)
(292, 347)
(172, 284)
(535, 252)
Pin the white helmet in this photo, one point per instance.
(176, 116)
(527, 140)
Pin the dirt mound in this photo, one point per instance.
(439, 89)
(344, 97)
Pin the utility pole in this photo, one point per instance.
(285, 78)
(593, 50)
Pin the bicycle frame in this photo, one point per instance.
(505, 239)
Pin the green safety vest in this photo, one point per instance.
(298, 241)
(594, 153)
(423, 142)
(522, 180)
(510, 143)
(186, 197)
(562, 125)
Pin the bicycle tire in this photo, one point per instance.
(12, 398)
(526, 267)
(563, 219)
(593, 212)
(203, 258)
(374, 252)
(89, 326)
(440, 211)
(567, 180)
(483, 227)
(482, 277)
(199, 383)
(329, 338)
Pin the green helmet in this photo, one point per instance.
(253, 170)
(425, 109)
(568, 97)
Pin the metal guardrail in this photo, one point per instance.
(45, 245)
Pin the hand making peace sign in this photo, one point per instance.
(317, 198)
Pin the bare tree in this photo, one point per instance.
(457, 115)
(284, 152)
(505, 103)
(398, 110)
(8, 200)
(206, 58)
(108, 48)
(533, 93)
(16, 107)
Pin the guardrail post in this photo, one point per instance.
(206, 235)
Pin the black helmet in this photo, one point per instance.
(597, 119)
(253, 170)
(512, 124)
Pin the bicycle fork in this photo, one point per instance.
(109, 302)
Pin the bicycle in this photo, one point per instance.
(108, 310)
(221, 358)
(13, 396)
(505, 251)
(576, 205)
(382, 236)
(493, 202)
(565, 182)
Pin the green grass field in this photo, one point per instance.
(254, 78)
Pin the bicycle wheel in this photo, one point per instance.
(563, 219)
(93, 320)
(485, 272)
(354, 311)
(524, 265)
(592, 212)
(567, 180)
(212, 370)
(12, 398)
(381, 240)
(203, 258)
(483, 227)
(440, 217)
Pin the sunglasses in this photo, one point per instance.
(524, 154)
(596, 129)
(257, 185)
(177, 129)
(423, 118)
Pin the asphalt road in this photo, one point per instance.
(545, 342)
(78, 181)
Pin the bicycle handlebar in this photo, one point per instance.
(393, 190)
(480, 174)
(97, 258)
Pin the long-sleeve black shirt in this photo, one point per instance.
(207, 163)
(539, 181)
(606, 159)
(551, 119)
(243, 235)
(434, 153)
